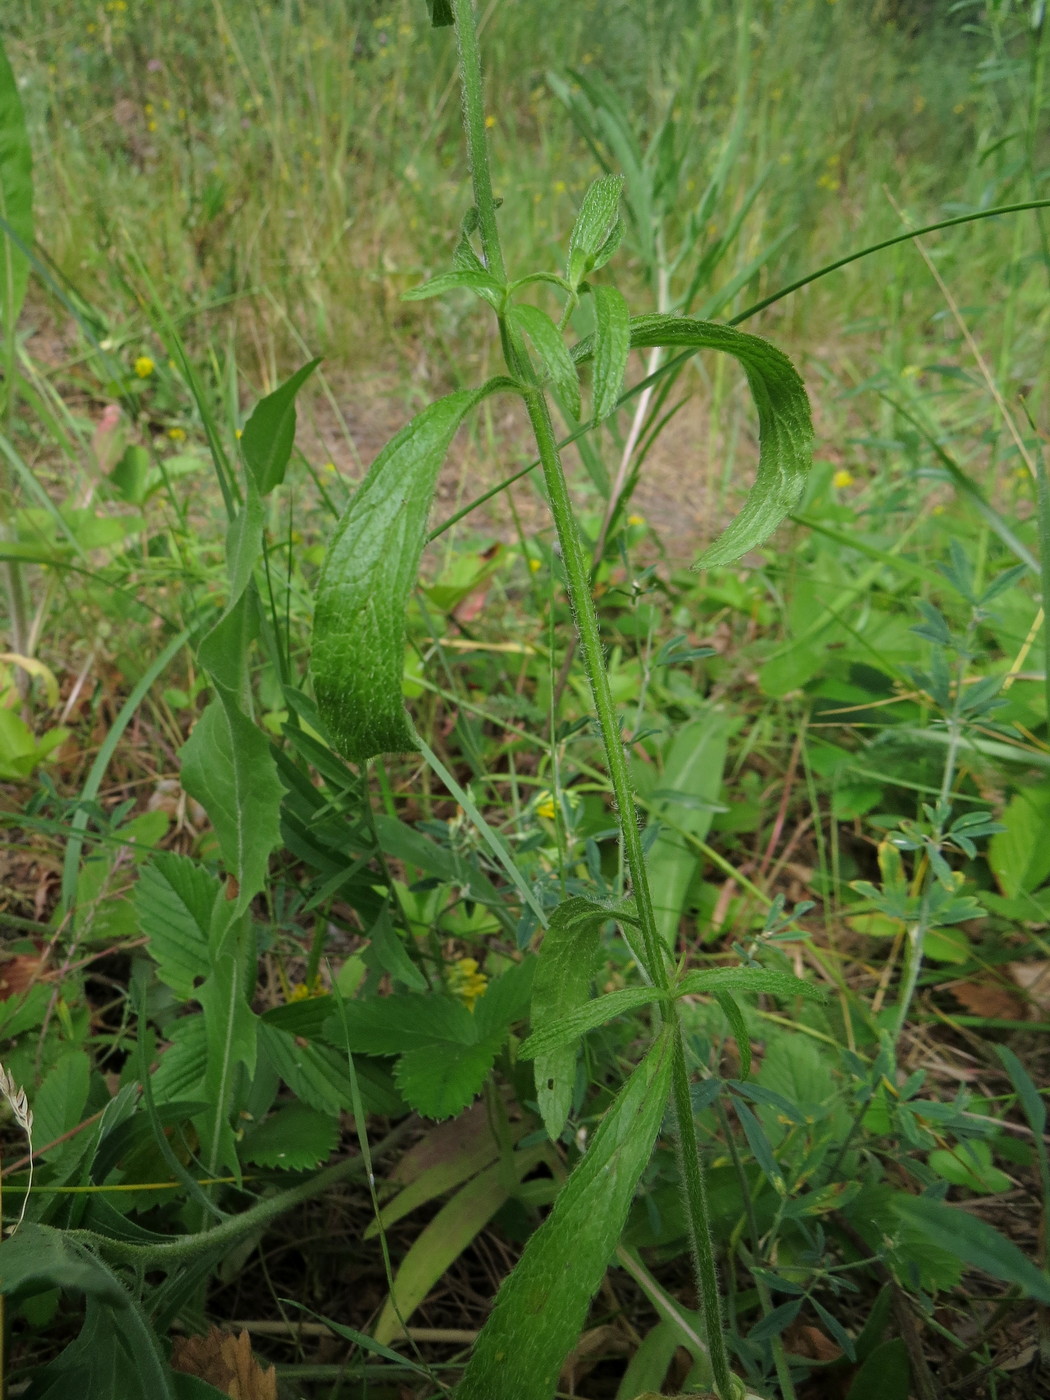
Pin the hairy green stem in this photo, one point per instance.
(236, 1227)
(577, 570)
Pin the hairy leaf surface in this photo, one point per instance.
(543, 1304)
(368, 573)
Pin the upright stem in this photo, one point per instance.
(474, 120)
(577, 570)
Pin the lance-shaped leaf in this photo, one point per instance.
(543, 1304)
(578, 1022)
(440, 13)
(369, 570)
(598, 229)
(747, 979)
(612, 343)
(785, 426)
(16, 196)
(269, 433)
(473, 279)
(552, 350)
(562, 984)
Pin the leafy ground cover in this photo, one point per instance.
(329, 1044)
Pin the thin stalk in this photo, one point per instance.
(578, 574)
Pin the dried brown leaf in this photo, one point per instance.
(227, 1363)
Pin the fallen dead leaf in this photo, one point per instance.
(1034, 979)
(803, 1339)
(992, 999)
(17, 973)
(227, 1363)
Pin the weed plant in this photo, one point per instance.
(377, 903)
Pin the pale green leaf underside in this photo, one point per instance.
(785, 426)
(542, 1306)
(368, 573)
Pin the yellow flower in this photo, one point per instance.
(177, 434)
(636, 520)
(466, 982)
(328, 467)
(490, 121)
(559, 187)
(238, 433)
(842, 478)
(545, 805)
(535, 565)
(144, 366)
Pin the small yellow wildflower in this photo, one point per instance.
(535, 565)
(238, 433)
(177, 434)
(329, 467)
(842, 478)
(148, 109)
(144, 366)
(959, 108)
(545, 805)
(466, 982)
(151, 126)
(636, 520)
(559, 187)
(490, 121)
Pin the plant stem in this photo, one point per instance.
(474, 120)
(578, 574)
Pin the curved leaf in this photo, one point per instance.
(785, 426)
(543, 1304)
(472, 279)
(16, 195)
(369, 570)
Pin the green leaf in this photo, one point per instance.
(440, 1080)
(747, 979)
(738, 1026)
(175, 900)
(387, 950)
(693, 767)
(58, 1104)
(369, 571)
(885, 1375)
(970, 1165)
(231, 1031)
(648, 1367)
(543, 1305)
(785, 427)
(359, 1339)
(972, 1239)
(561, 985)
(596, 223)
(295, 1137)
(440, 13)
(571, 1027)
(228, 767)
(612, 344)
(460, 278)
(1020, 855)
(269, 434)
(391, 1025)
(16, 196)
(552, 350)
(38, 1257)
(1029, 1096)
(314, 1073)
